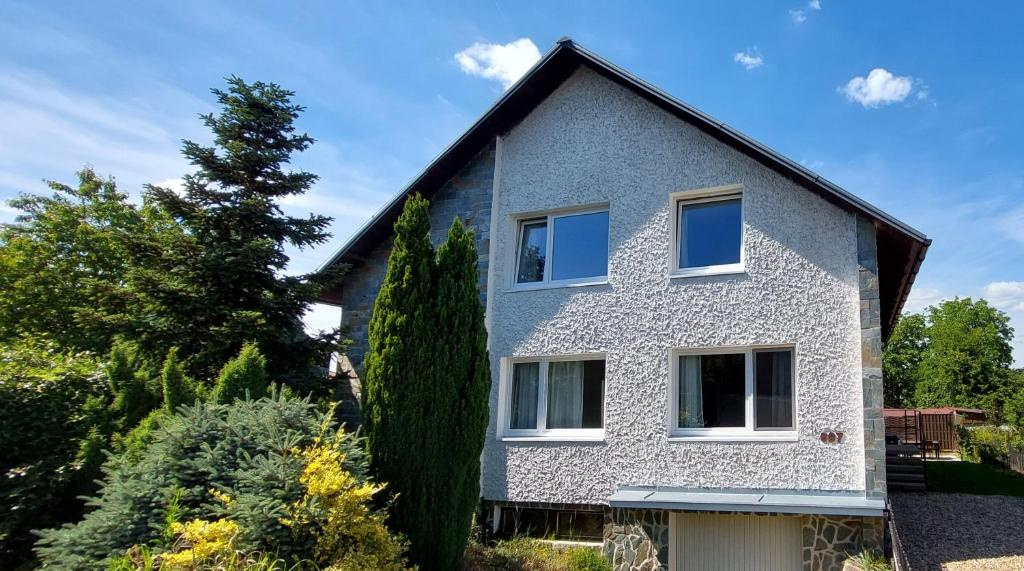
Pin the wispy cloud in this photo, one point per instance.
(814, 4)
(749, 59)
(921, 297)
(505, 63)
(798, 16)
(1008, 296)
(879, 87)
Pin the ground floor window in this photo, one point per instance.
(551, 523)
(733, 392)
(555, 397)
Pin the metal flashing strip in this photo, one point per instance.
(742, 500)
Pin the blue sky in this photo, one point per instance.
(914, 107)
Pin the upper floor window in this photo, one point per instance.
(555, 397)
(562, 248)
(741, 393)
(708, 231)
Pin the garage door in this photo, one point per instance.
(712, 542)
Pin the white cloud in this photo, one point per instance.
(798, 16)
(505, 63)
(921, 297)
(880, 87)
(1008, 296)
(749, 59)
(814, 4)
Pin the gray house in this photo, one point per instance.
(685, 327)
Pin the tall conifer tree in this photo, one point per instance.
(463, 387)
(400, 375)
(225, 284)
(427, 385)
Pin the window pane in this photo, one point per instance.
(581, 246)
(575, 394)
(712, 391)
(532, 252)
(773, 385)
(709, 233)
(523, 407)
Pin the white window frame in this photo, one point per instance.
(698, 196)
(747, 432)
(522, 220)
(542, 432)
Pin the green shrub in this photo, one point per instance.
(245, 373)
(527, 554)
(985, 444)
(246, 449)
(177, 389)
(49, 399)
(868, 560)
(586, 559)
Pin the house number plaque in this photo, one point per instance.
(832, 437)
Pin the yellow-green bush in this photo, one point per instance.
(985, 444)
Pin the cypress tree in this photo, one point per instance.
(176, 387)
(463, 388)
(400, 376)
(246, 372)
(427, 386)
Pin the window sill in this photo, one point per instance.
(724, 270)
(557, 285)
(774, 436)
(554, 438)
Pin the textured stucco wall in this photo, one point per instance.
(468, 196)
(590, 142)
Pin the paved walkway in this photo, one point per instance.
(960, 532)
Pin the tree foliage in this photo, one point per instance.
(245, 376)
(65, 263)
(957, 353)
(902, 359)
(427, 381)
(462, 389)
(226, 283)
(245, 450)
(43, 391)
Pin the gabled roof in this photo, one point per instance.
(901, 249)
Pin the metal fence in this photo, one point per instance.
(899, 556)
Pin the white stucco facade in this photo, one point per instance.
(594, 142)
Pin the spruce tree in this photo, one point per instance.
(462, 390)
(226, 284)
(400, 377)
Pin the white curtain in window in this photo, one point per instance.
(565, 394)
(782, 389)
(525, 378)
(691, 395)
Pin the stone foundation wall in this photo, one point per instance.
(638, 540)
(828, 540)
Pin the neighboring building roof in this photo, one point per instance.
(742, 500)
(972, 412)
(901, 249)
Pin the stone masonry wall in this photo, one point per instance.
(468, 196)
(871, 360)
(638, 539)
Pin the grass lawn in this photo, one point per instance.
(971, 478)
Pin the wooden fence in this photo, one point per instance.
(1015, 459)
(940, 427)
